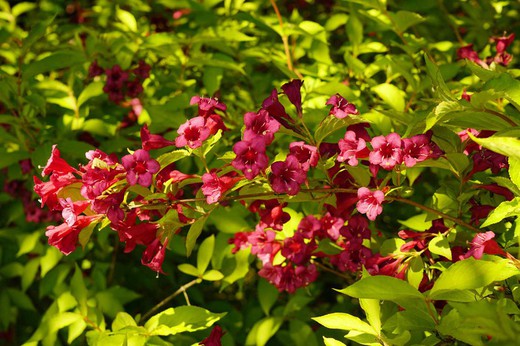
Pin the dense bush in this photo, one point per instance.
(289, 172)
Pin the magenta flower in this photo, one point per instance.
(140, 167)
(260, 124)
(213, 186)
(369, 202)
(351, 148)
(307, 155)
(296, 250)
(250, 157)
(503, 42)
(467, 52)
(415, 149)
(287, 176)
(151, 141)
(386, 151)
(341, 108)
(275, 109)
(192, 133)
(207, 105)
(293, 93)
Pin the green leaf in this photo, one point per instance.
(212, 275)
(504, 210)
(49, 260)
(391, 95)
(415, 272)
(268, 294)
(193, 233)
(343, 321)
(181, 319)
(439, 245)
(127, 19)
(92, 90)
(332, 342)
(439, 85)
(263, 330)
(79, 290)
(372, 308)
(123, 320)
(189, 269)
(514, 170)
(332, 124)
(471, 273)
(205, 253)
(28, 242)
(417, 222)
(55, 61)
(384, 288)
(504, 82)
(405, 19)
(37, 32)
(168, 158)
(506, 143)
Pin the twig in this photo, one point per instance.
(165, 301)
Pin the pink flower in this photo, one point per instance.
(71, 210)
(415, 149)
(369, 202)
(213, 186)
(307, 155)
(151, 141)
(341, 108)
(287, 176)
(250, 157)
(153, 256)
(56, 164)
(484, 243)
(263, 244)
(192, 133)
(260, 124)
(207, 106)
(352, 148)
(140, 167)
(132, 233)
(387, 151)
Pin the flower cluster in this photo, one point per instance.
(138, 197)
(501, 56)
(122, 84)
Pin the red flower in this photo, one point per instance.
(153, 256)
(214, 337)
(307, 155)
(293, 93)
(65, 237)
(56, 164)
(151, 141)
